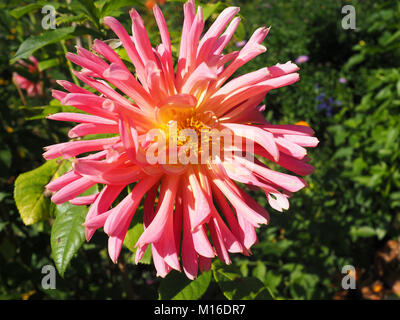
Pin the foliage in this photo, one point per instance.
(349, 214)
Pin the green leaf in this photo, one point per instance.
(53, 107)
(236, 287)
(17, 13)
(122, 54)
(43, 65)
(176, 286)
(111, 6)
(21, 11)
(92, 12)
(273, 280)
(31, 198)
(67, 234)
(383, 94)
(390, 38)
(354, 60)
(302, 285)
(33, 43)
(362, 232)
(398, 88)
(259, 271)
(67, 19)
(132, 236)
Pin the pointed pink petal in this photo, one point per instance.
(155, 230)
(84, 200)
(253, 133)
(71, 190)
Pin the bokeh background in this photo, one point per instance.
(349, 93)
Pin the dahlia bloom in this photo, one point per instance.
(192, 212)
(33, 89)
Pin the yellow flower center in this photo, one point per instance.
(184, 128)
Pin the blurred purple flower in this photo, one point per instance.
(322, 106)
(342, 80)
(320, 97)
(326, 104)
(240, 44)
(302, 59)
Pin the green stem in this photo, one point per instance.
(71, 69)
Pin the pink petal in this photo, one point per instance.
(256, 134)
(71, 190)
(80, 117)
(155, 230)
(84, 200)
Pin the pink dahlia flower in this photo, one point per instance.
(33, 89)
(192, 212)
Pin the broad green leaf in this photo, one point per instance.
(33, 43)
(43, 65)
(132, 236)
(122, 54)
(21, 11)
(176, 286)
(272, 280)
(277, 248)
(302, 285)
(31, 198)
(17, 13)
(259, 271)
(236, 287)
(244, 268)
(67, 234)
(384, 93)
(354, 60)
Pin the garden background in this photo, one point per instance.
(349, 93)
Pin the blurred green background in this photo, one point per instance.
(349, 93)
